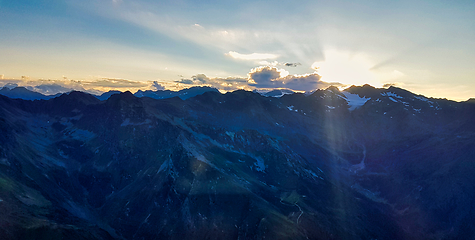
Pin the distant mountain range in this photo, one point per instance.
(364, 163)
(23, 93)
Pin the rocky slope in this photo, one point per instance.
(364, 163)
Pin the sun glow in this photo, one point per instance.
(346, 68)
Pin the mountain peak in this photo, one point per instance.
(122, 97)
(106, 95)
(333, 89)
(364, 91)
(276, 92)
(183, 94)
(127, 94)
(471, 100)
(79, 96)
(365, 87)
(22, 93)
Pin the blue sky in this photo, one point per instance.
(424, 46)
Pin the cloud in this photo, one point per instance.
(307, 82)
(197, 79)
(115, 83)
(275, 64)
(252, 56)
(393, 84)
(94, 86)
(2, 76)
(10, 82)
(157, 86)
(152, 18)
(11, 85)
(216, 36)
(267, 63)
(229, 83)
(265, 75)
(226, 84)
(292, 64)
(271, 77)
(51, 89)
(47, 87)
(185, 81)
(201, 78)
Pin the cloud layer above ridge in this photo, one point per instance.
(263, 77)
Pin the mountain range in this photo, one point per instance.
(26, 94)
(363, 163)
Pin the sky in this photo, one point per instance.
(427, 47)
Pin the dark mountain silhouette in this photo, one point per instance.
(278, 93)
(183, 94)
(107, 95)
(364, 163)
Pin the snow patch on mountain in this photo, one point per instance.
(291, 108)
(165, 165)
(390, 94)
(422, 99)
(231, 135)
(80, 134)
(313, 174)
(355, 101)
(277, 93)
(260, 166)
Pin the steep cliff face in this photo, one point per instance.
(365, 163)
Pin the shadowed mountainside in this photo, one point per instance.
(365, 163)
